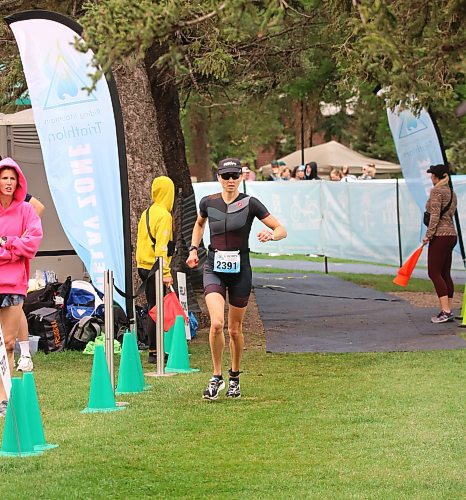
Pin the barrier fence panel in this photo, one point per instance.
(349, 220)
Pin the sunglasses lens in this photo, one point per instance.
(227, 176)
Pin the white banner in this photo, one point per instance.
(4, 367)
(81, 143)
(347, 220)
(183, 298)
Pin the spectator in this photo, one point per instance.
(336, 174)
(310, 172)
(285, 174)
(346, 176)
(245, 173)
(21, 233)
(155, 239)
(368, 172)
(299, 173)
(441, 237)
(274, 176)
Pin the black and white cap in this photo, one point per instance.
(229, 166)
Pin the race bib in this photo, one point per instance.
(227, 261)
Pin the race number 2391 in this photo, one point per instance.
(227, 262)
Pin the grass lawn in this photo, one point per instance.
(386, 425)
(380, 282)
(319, 426)
(306, 258)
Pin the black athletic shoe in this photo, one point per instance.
(215, 386)
(152, 358)
(442, 317)
(234, 390)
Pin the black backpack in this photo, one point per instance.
(48, 324)
(84, 331)
(51, 295)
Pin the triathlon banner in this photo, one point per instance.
(4, 368)
(418, 147)
(82, 142)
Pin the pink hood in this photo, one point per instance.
(22, 187)
(21, 230)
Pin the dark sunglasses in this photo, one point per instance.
(230, 175)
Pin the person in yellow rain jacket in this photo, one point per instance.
(155, 239)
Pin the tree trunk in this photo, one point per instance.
(167, 111)
(200, 150)
(143, 149)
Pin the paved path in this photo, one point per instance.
(322, 313)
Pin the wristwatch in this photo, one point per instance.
(192, 247)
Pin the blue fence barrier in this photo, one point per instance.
(348, 220)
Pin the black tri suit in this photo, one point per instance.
(230, 226)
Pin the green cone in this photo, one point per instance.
(130, 376)
(178, 359)
(17, 440)
(168, 339)
(101, 397)
(33, 414)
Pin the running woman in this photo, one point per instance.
(230, 214)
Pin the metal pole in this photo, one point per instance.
(302, 132)
(109, 323)
(134, 325)
(160, 318)
(400, 253)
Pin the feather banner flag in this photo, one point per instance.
(82, 141)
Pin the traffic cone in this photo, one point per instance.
(17, 440)
(130, 376)
(168, 339)
(406, 270)
(178, 360)
(101, 397)
(33, 414)
(463, 306)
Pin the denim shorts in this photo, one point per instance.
(10, 299)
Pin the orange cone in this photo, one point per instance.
(407, 268)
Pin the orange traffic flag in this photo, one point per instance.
(407, 268)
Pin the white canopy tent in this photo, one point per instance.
(24, 117)
(332, 154)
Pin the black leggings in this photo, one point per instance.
(439, 264)
(150, 298)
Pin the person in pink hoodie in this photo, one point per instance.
(20, 236)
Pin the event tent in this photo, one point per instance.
(332, 154)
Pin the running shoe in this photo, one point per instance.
(152, 358)
(3, 406)
(215, 386)
(25, 364)
(234, 390)
(442, 317)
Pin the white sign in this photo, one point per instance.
(4, 367)
(183, 297)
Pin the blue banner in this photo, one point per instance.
(418, 147)
(347, 220)
(79, 135)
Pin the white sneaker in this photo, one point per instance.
(25, 364)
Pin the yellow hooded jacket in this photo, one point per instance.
(161, 226)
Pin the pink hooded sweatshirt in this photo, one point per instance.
(22, 228)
